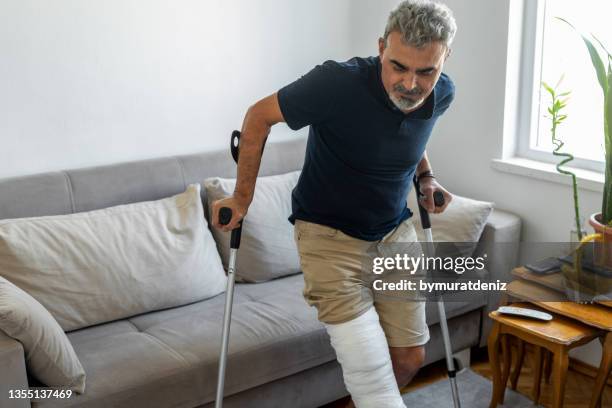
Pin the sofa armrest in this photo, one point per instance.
(13, 372)
(500, 241)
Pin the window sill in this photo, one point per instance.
(586, 179)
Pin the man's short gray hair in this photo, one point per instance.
(422, 21)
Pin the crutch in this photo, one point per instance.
(225, 216)
(430, 251)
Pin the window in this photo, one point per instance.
(551, 50)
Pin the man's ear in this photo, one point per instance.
(448, 53)
(381, 46)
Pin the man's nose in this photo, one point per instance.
(409, 81)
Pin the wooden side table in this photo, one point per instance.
(534, 288)
(546, 291)
(558, 336)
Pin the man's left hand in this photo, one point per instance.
(428, 186)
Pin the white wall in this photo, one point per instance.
(92, 82)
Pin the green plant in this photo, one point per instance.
(604, 76)
(555, 108)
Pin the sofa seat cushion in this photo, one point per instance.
(170, 357)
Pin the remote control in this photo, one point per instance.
(523, 312)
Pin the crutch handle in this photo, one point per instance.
(438, 202)
(438, 198)
(225, 215)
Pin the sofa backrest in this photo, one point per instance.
(87, 189)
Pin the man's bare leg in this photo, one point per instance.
(406, 363)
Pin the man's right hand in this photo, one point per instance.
(239, 209)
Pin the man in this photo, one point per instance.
(370, 120)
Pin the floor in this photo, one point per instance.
(577, 390)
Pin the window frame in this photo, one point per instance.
(528, 97)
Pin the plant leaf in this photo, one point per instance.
(603, 47)
(606, 205)
(548, 88)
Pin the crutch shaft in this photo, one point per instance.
(430, 251)
(225, 217)
(227, 319)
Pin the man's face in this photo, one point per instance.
(409, 74)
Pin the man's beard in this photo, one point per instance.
(408, 100)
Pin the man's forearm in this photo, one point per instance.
(423, 165)
(253, 137)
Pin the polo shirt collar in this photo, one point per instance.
(426, 111)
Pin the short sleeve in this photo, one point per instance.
(447, 94)
(310, 99)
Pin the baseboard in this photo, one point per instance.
(585, 368)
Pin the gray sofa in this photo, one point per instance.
(280, 355)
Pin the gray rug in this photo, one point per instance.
(474, 392)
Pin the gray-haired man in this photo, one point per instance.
(370, 120)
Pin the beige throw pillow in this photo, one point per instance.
(48, 352)
(267, 248)
(94, 267)
(463, 220)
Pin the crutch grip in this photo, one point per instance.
(438, 202)
(438, 198)
(225, 216)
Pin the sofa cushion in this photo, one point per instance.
(267, 247)
(93, 267)
(171, 356)
(49, 355)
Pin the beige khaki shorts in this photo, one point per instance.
(338, 280)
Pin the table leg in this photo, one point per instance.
(506, 360)
(537, 374)
(547, 365)
(493, 348)
(603, 372)
(519, 363)
(560, 365)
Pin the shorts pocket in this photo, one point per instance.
(306, 230)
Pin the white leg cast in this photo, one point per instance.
(363, 353)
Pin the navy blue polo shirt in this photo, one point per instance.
(362, 151)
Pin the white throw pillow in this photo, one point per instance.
(463, 220)
(267, 248)
(48, 352)
(93, 267)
